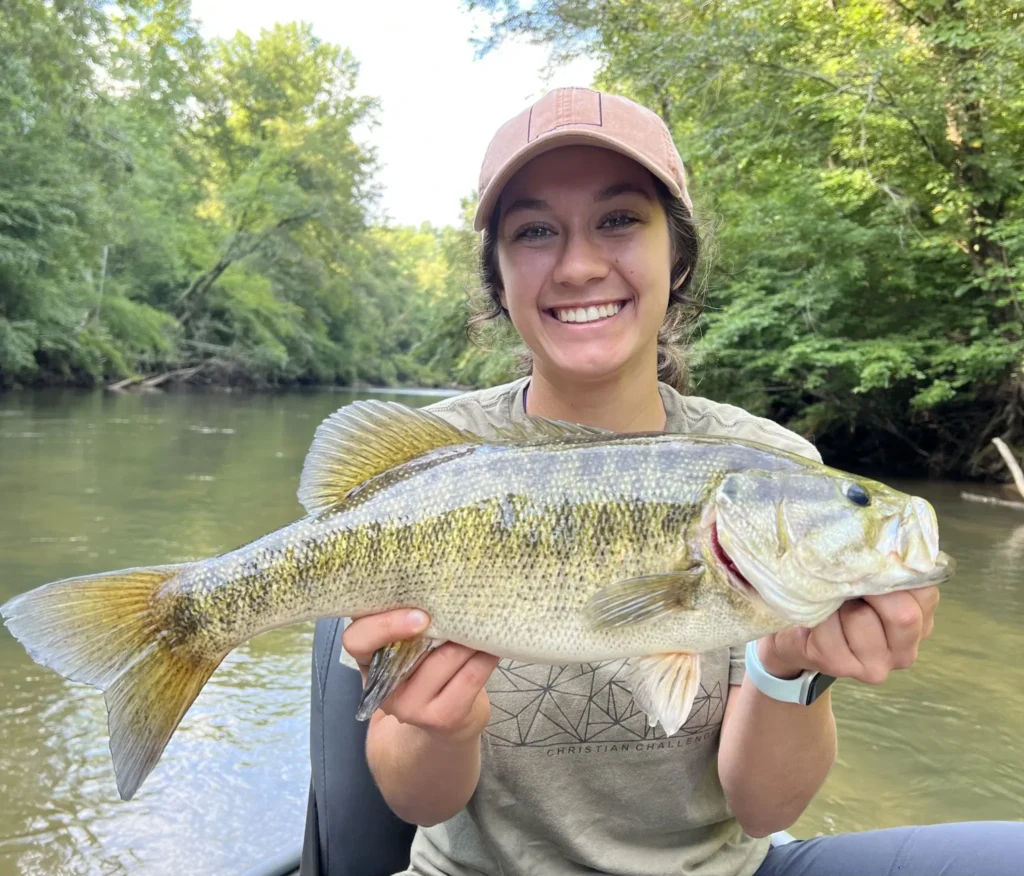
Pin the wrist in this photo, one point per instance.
(775, 663)
(463, 735)
(452, 739)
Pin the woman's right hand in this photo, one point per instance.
(444, 695)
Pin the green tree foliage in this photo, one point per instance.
(172, 204)
(862, 163)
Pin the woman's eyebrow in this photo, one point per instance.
(613, 191)
(526, 204)
(622, 188)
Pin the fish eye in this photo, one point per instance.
(858, 495)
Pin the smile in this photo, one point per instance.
(593, 313)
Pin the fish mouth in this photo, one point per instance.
(735, 576)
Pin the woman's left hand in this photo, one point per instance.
(865, 639)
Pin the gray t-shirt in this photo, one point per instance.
(573, 780)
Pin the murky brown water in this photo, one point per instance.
(91, 482)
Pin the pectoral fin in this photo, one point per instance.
(646, 598)
(664, 687)
(387, 669)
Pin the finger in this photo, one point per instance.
(829, 652)
(366, 634)
(416, 693)
(865, 635)
(456, 700)
(928, 598)
(902, 618)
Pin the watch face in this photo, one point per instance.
(818, 685)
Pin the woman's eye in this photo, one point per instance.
(619, 220)
(532, 232)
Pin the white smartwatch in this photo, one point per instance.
(803, 690)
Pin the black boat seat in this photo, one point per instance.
(350, 831)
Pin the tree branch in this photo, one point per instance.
(231, 255)
(913, 13)
(907, 118)
(868, 95)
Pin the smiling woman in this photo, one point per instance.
(589, 248)
(646, 276)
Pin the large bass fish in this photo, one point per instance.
(544, 543)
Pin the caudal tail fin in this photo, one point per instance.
(102, 630)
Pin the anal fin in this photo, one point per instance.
(389, 666)
(664, 686)
(645, 598)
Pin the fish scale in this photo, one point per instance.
(555, 521)
(544, 543)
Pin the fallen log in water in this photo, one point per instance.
(122, 385)
(1011, 464)
(141, 381)
(1018, 479)
(180, 374)
(992, 500)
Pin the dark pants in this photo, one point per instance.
(973, 848)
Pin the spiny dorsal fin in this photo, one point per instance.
(364, 439)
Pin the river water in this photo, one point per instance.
(92, 481)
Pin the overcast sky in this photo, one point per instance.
(439, 106)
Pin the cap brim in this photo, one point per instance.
(555, 140)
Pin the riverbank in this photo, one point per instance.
(874, 453)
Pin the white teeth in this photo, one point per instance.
(587, 314)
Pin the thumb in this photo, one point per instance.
(790, 645)
(366, 634)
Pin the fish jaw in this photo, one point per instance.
(721, 565)
(768, 587)
(804, 576)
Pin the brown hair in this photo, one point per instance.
(683, 311)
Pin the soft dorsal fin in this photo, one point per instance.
(364, 439)
(539, 428)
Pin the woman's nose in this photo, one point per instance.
(580, 262)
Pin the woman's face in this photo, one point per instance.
(585, 257)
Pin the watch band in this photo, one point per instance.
(802, 690)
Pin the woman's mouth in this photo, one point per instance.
(589, 314)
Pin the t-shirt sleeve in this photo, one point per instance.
(703, 416)
(771, 433)
(737, 664)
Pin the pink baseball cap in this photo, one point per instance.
(579, 117)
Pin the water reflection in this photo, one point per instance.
(93, 482)
(942, 742)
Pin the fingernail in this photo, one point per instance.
(419, 619)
